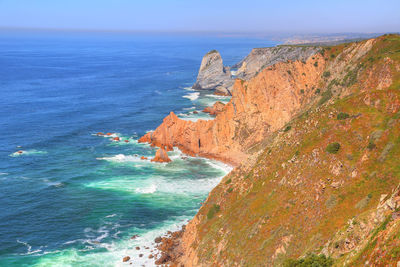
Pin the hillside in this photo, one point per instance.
(317, 149)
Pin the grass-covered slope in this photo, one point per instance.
(325, 183)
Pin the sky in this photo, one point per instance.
(296, 16)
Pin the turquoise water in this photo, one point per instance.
(73, 198)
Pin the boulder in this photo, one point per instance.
(218, 107)
(116, 139)
(161, 156)
(125, 259)
(143, 158)
(134, 236)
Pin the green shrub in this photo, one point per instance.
(230, 190)
(333, 148)
(326, 74)
(316, 64)
(287, 128)
(228, 181)
(289, 72)
(311, 260)
(350, 78)
(302, 91)
(371, 146)
(317, 91)
(325, 97)
(214, 209)
(342, 116)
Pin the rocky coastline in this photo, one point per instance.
(275, 89)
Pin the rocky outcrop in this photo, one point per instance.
(257, 107)
(213, 75)
(215, 109)
(161, 156)
(260, 58)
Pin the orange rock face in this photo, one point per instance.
(258, 107)
(161, 156)
(218, 107)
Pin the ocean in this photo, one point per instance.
(73, 198)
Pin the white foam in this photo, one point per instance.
(192, 96)
(147, 190)
(112, 135)
(122, 158)
(29, 248)
(27, 153)
(191, 108)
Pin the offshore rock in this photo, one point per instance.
(161, 156)
(213, 75)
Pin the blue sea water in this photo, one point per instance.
(74, 198)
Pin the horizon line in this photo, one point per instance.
(276, 33)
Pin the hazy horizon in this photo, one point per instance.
(176, 16)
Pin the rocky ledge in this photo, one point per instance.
(260, 58)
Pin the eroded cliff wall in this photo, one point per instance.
(258, 107)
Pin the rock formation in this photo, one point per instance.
(260, 58)
(161, 156)
(257, 108)
(213, 75)
(218, 107)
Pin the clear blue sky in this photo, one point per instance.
(296, 16)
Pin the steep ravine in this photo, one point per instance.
(317, 148)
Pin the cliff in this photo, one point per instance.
(317, 149)
(258, 107)
(260, 58)
(213, 75)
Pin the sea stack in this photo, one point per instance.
(213, 75)
(161, 156)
